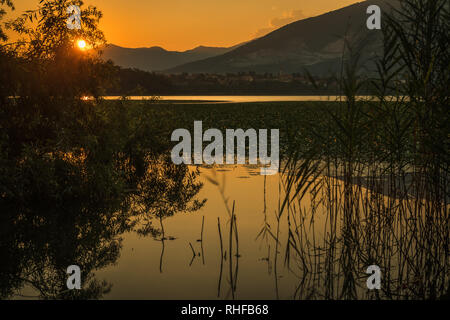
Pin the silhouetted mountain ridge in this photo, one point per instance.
(314, 43)
(157, 58)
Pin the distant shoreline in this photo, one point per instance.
(244, 98)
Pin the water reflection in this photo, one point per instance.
(243, 99)
(246, 242)
(41, 236)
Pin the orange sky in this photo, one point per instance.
(182, 25)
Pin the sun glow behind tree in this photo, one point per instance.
(81, 44)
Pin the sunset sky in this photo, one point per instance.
(181, 25)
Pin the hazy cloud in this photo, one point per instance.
(278, 22)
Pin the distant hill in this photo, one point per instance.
(157, 58)
(314, 43)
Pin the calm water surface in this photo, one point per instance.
(180, 266)
(143, 272)
(237, 99)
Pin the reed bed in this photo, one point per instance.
(372, 188)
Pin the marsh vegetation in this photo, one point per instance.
(362, 182)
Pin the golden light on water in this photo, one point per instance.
(81, 44)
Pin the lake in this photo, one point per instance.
(237, 99)
(303, 253)
(145, 272)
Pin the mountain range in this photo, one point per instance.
(157, 58)
(314, 43)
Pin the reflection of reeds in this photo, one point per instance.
(201, 240)
(233, 254)
(376, 179)
(163, 238)
(230, 252)
(403, 236)
(193, 254)
(233, 273)
(221, 257)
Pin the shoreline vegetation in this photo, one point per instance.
(246, 99)
(77, 174)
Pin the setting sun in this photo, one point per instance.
(283, 152)
(82, 44)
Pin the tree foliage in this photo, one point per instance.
(72, 171)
